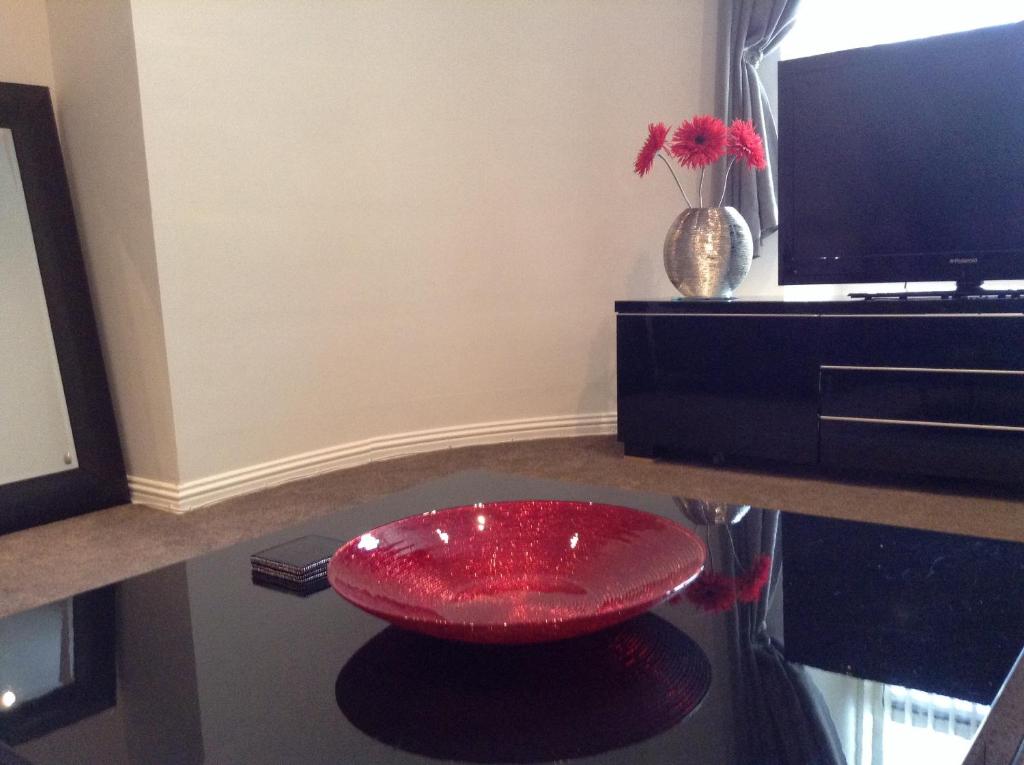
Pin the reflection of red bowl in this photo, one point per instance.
(517, 572)
(526, 703)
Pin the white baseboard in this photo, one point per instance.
(182, 497)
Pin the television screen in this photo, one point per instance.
(904, 162)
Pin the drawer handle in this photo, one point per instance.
(922, 423)
(936, 370)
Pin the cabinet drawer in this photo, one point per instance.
(959, 341)
(988, 453)
(978, 397)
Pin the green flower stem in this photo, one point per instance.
(725, 180)
(674, 178)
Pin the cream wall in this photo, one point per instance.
(373, 218)
(25, 43)
(101, 131)
(314, 224)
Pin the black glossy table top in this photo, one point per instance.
(855, 648)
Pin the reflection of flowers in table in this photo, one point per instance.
(714, 592)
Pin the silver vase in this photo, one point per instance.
(708, 251)
(705, 513)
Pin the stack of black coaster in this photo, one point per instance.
(298, 566)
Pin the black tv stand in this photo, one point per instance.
(932, 387)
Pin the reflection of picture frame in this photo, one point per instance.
(99, 480)
(94, 684)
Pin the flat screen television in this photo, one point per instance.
(904, 162)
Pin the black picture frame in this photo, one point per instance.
(99, 479)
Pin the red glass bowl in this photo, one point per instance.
(517, 572)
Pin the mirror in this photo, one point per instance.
(59, 451)
(33, 413)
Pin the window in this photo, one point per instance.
(881, 724)
(823, 26)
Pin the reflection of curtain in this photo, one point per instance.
(749, 30)
(784, 718)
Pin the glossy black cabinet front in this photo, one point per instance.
(924, 387)
(967, 340)
(967, 396)
(719, 384)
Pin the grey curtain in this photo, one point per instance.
(748, 30)
(785, 719)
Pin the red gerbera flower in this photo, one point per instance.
(712, 592)
(699, 142)
(750, 584)
(656, 134)
(745, 144)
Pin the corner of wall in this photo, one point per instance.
(99, 116)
